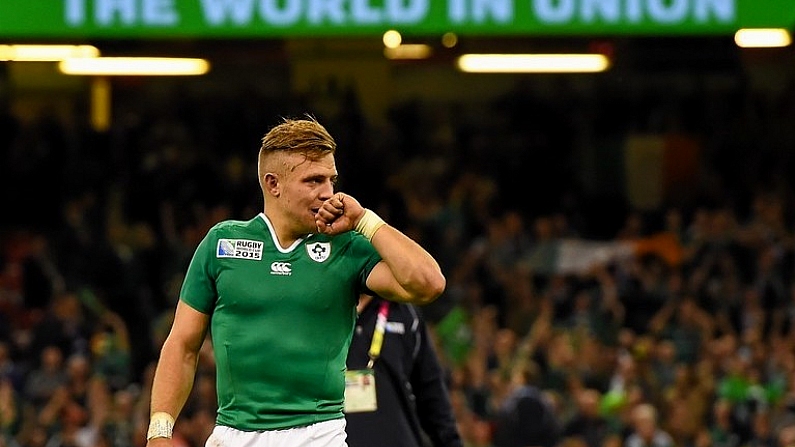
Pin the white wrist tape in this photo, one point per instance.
(161, 425)
(369, 224)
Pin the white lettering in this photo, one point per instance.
(320, 10)
(634, 11)
(607, 10)
(722, 10)
(660, 12)
(106, 10)
(75, 11)
(281, 268)
(457, 10)
(549, 13)
(160, 12)
(629, 11)
(335, 12)
(412, 13)
(500, 10)
(363, 13)
(373, 12)
(219, 12)
(287, 15)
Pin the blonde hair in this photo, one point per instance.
(302, 136)
(299, 135)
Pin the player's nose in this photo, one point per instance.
(326, 190)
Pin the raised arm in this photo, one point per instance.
(175, 372)
(408, 273)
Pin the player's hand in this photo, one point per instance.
(338, 214)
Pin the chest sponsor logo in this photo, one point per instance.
(319, 251)
(239, 249)
(281, 268)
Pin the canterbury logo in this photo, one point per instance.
(281, 268)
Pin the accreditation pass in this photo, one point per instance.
(360, 391)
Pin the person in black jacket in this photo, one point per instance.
(587, 424)
(395, 393)
(525, 418)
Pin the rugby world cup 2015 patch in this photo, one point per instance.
(239, 249)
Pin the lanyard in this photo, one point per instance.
(378, 333)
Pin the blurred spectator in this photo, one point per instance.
(110, 349)
(119, 427)
(762, 431)
(587, 425)
(10, 409)
(64, 325)
(786, 436)
(687, 325)
(723, 429)
(646, 431)
(78, 377)
(10, 370)
(46, 378)
(524, 417)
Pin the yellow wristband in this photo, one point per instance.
(369, 224)
(161, 425)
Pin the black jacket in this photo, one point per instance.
(526, 419)
(413, 401)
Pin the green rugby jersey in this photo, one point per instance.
(281, 320)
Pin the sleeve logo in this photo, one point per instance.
(239, 249)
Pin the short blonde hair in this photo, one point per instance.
(305, 136)
(296, 136)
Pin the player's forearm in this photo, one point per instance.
(412, 266)
(173, 379)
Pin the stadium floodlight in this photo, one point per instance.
(408, 51)
(392, 39)
(533, 63)
(134, 66)
(762, 38)
(45, 53)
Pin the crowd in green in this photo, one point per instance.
(645, 349)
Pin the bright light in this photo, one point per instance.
(392, 39)
(408, 51)
(449, 40)
(533, 63)
(762, 38)
(45, 53)
(134, 66)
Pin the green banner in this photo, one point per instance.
(126, 19)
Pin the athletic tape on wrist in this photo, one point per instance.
(369, 224)
(161, 425)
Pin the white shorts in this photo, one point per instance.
(323, 434)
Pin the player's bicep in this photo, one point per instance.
(384, 284)
(189, 328)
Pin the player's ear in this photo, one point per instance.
(271, 185)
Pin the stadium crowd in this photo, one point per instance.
(690, 343)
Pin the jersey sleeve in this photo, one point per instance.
(198, 288)
(364, 250)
